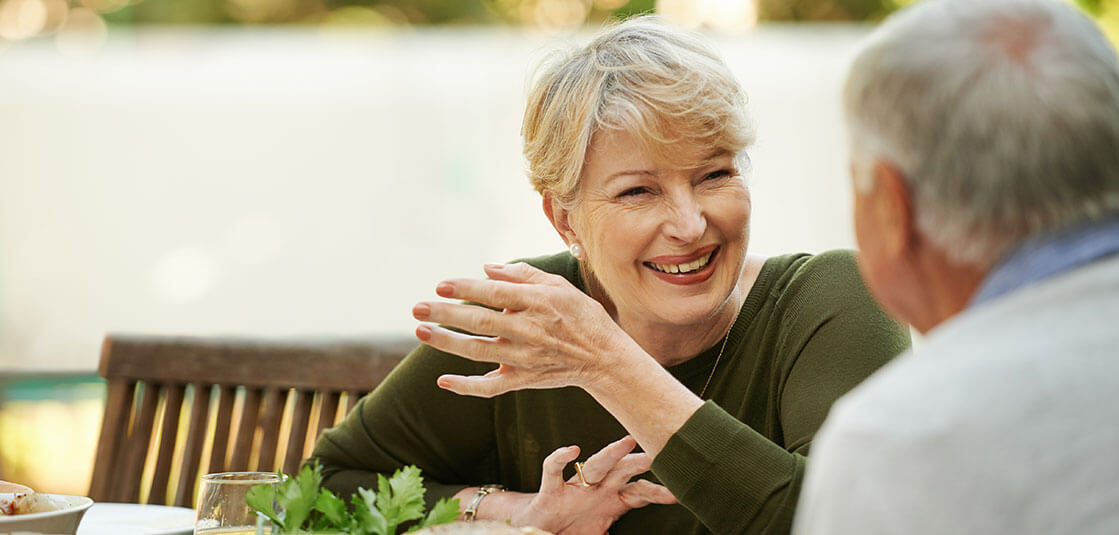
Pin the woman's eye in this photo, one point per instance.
(721, 173)
(633, 192)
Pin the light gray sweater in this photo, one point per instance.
(1006, 420)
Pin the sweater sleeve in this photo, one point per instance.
(406, 420)
(730, 476)
(833, 335)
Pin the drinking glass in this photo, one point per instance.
(221, 503)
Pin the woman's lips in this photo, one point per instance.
(688, 277)
(683, 259)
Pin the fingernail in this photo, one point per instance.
(445, 289)
(421, 311)
(443, 383)
(423, 332)
(495, 267)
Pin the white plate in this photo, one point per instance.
(63, 520)
(135, 519)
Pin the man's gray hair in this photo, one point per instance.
(1003, 115)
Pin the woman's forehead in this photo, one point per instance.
(619, 148)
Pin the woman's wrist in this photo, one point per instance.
(623, 389)
(500, 505)
(470, 513)
(618, 367)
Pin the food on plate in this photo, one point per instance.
(7, 486)
(481, 527)
(22, 503)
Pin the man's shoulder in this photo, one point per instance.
(1044, 352)
(1008, 406)
(1054, 326)
(1036, 345)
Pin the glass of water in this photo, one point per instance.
(221, 503)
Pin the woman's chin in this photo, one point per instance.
(688, 313)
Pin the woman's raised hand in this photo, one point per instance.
(544, 333)
(570, 508)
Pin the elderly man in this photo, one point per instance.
(985, 159)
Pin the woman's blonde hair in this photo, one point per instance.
(660, 84)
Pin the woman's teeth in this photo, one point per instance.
(695, 265)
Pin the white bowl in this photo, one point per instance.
(61, 522)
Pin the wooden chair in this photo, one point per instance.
(180, 407)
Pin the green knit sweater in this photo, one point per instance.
(807, 334)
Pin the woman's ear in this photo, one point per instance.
(560, 218)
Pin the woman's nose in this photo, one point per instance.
(685, 221)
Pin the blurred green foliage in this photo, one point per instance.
(825, 10)
(1095, 7)
(442, 12)
(545, 13)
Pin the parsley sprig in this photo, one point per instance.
(305, 507)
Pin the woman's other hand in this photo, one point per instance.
(545, 333)
(566, 507)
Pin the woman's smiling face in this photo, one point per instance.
(667, 244)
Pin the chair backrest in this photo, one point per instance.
(179, 407)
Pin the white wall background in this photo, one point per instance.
(294, 182)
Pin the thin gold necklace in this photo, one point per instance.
(717, 358)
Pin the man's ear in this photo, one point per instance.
(893, 210)
(560, 218)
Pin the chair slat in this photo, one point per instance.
(297, 438)
(192, 450)
(243, 443)
(338, 365)
(328, 412)
(227, 395)
(118, 407)
(168, 437)
(351, 400)
(246, 425)
(270, 419)
(139, 439)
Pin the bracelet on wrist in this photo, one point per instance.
(472, 509)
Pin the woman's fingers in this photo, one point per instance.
(642, 492)
(493, 293)
(471, 318)
(628, 467)
(489, 385)
(509, 287)
(519, 272)
(552, 479)
(597, 466)
(476, 348)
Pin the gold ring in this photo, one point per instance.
(582, 480)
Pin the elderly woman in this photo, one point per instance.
(656, 329)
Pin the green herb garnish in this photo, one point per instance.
(306, 507)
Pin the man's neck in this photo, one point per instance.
(946, 290)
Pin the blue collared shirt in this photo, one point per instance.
(1048, 255)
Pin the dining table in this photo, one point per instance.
(136, 519)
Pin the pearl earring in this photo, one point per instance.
(576, 250)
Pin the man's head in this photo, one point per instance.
(974, 125)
